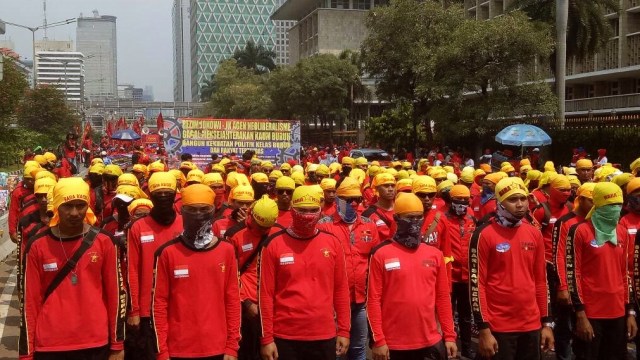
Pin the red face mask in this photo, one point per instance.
(558, 198)
(304, 224)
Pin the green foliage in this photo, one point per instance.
(393, 128)
(256, 58)
(207, 89)
(12, 88)
(45, 111)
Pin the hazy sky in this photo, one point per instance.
(144, 35)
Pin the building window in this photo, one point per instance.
(339, 4)
(380, 2)
(362, 4)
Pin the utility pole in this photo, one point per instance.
(562, 15)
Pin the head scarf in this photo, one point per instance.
(67, 190)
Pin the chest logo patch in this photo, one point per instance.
(392, 264)
(594, 244)
(528, 246)
(53, 266)
(632, 231)
(286, 259)
(429, 263)
(146, 237)
(223, 267)
(181, 272)
(325, 252)
(503, 247)
(247, 247)
(94, 257)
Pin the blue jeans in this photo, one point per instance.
(359, 333)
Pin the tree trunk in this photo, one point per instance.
(562, 14)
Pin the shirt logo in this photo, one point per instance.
(432, 239)
(528, 246)
(366, 236)
(50, 266)
(181, 272)
(476, 209)
(553, 220)
(223, 267)
(380, 223)
(247, 247)
(94, 257)
(325, 252)
(632, 231)
(594, 244)
(392, 264)
(429, 263)
(146, 237)
(503, 247)
(286, 259)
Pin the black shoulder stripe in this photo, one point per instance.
(636, 267)
(570, 252)
(474, 276)
(567, 217)
(107, 220)
(164, 246)
(273, 236)
(382, 244)
(35, 238)
(234, 230)
(369, 211)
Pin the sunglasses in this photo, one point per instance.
(285, 191)
(357, 200)
(425, 195)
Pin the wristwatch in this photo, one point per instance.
(550, 325)
(631, 313)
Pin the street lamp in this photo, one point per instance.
(33, 39)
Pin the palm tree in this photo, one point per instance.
(208, 88)
(258, 58)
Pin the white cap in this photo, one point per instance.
(103, 153)
(536, 149)
(123, 197)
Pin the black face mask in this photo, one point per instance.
(163, 211)
(346, 170)
(123, 212)
(572, 197)
(96, 180)
(197, 229)
(633, 202)
(259, 189)
(408, 232)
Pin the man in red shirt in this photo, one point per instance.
(22, 190)
(304, 290)
(145, 236)
(433, 226)
(459, 226)
(284, 190)
(584, 168)
(358, 236)
(598, 279)
(247, 243)
(241, 198)
(88, 298)
(408, 292)
(508, 280)
(381, 213)
(487, 199)
(196, 303)
(329, 188)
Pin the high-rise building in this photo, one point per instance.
(180, 15)
(218, 28)
(282, 38)
(96, 39)
(607, 83)
(63, 70)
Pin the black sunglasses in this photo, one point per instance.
(425, 195)
(353, 200)
(285, 191)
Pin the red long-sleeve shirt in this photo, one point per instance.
(597, 274)
(556, 212)
(221, 226)
(85, 315)
(143, 239)
(559, 239)
(284, 218)
(303, 283)
(246, 242)
(508, 278)
(436, 238)
(487, 208)
(383, 219)
(408, 290)
(630, 224)
(15, 205)
(357, 242)
(329, 209)
(458, 234)
(196, 304)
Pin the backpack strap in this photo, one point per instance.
(87, 241)
(433, 225)
(254, 254)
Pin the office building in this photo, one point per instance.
(180, 16)
(63, 70)
(219, 28)
(605, 84)
(96, 39)
(282, 38)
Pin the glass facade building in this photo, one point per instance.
(96, 39)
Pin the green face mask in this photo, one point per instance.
(605, 220)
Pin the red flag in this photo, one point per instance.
(109, 130)
(121, 124)
(160, 123)
(87, 131)
(136, 127)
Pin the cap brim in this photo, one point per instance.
(123, 197)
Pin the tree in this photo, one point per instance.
(44, 110)
(393, 127)
(12, 89)
(239, 93)
(207, 89)
(257, 58)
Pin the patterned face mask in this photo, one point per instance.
(408, 232)
(459, 209)
(304, 224)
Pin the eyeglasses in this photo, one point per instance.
(425, 195)
(285, 191)
(357, 200)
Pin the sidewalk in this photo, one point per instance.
(6, 245)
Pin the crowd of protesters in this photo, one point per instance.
(327, 257)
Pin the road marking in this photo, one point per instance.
(6, 297)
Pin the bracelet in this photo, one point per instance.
(631, 313)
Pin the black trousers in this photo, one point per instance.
(100, 353)
(306, 350)
(435, 352)
(217, 357)
(609, 343)
(563, 317)
(250, 343)
(139, 344)
(460, 303)
(517, 346)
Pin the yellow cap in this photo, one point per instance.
(234, 179)
(635, 165)
(137, 204)
(40, 159)
(285, 183)
(50, 157)
(349, 161)
(466, 175)
(402, 174)
(525, 162)
(633, 185)
(112, 170)
(212, 179)
(298, 177)
(622, 179)
(509, 187)
(605, 193)
(44, 174)
(67, 190)
(197, 194)
(574, 180)
(195, 175)
(267, 165)
(29, 170)
(328, 184)
(361, 161)
(275, 175)
(97, 168)
(187, 165)
(374, 170)
(155, 167)
(383, 179)
(140, 168)
(242, 193)
(444, 185)
(526, 168)
(479, 172)
(424, 184)
(334, 168)
(217, 168)
(260, 178)
(128, 179)
(584, 164)
(128, 190)
(96, 161)
(162, 181)
(265, 211)
(407, 203)
(452, 177)
(508, 168)
(549, 166)
(585, 190)
(297, 168)
(560, 182)
(358, 174)
(323, 170)
(438, 174)
(495, 177)
(404, 185)
(181, 180)
(306, 197)
(349, 187)
(393, 172)
(285, 166)
(460, 191)
(44, 185)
